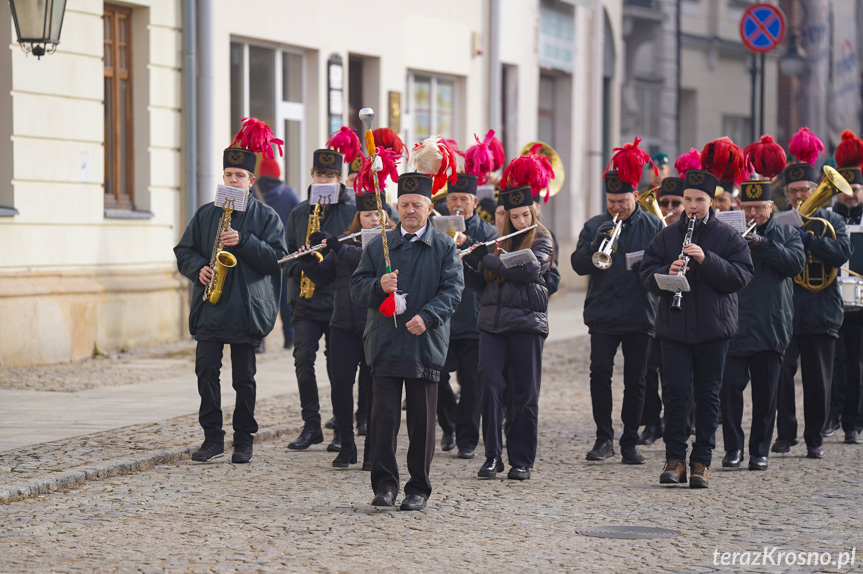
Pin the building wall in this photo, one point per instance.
(72, 280)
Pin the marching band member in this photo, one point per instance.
(426, 267)
(513, 324)
(695, 336)
(765, 313)
(256, 238)
(618, 310)
(311, 317)
(460, 422)
(817, 315)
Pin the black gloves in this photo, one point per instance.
(297, 270)
(475, 257)
(805, 237)
(754, 241)
(602, 232)
(333, 243)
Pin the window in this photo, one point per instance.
(268, 83)
(119, 176)
(647, 126)
(736, 127)
(545, 113)
(431, 107)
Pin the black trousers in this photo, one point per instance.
(851, 335)
(307, 334)
(603, 347)
(651, 414)
(688, 369)
(421, 397)
(208, 364)
(816, 365)
(462, 416)
(763, 367)
(344, 372)
(525, 353)
(839, 384)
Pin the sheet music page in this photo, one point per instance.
(673, 283)
(736, 219)
(228, 197)
(324, 194)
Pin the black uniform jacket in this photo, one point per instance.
(464, 318)
(709, 310)
(520, 303)
(616, 300)
(247, 309)
(337, 268)
(430, 276)
(765, 306)
(336, 220)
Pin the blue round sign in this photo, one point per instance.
(762, 27)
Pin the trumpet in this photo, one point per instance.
(602, 258)
(677, 302)
(314, 249)
(751, 225)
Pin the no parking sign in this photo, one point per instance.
(762, 27)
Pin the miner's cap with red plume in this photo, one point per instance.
(255, 137)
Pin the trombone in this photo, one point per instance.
(602, 258)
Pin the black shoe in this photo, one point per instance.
(330, 424)
(519, 473)
(782, 445)
(289, 343)
(413, 502)
(815, 452)
(650, 434)
(631, 455)
(336, 445)
(209, 451)
(307, 438)
(853, 437)
(347, 456)
(490, 467)
(367, 465)
(757, 463)
(830, 428)
(465, 453)
(242, 454)
(384, 498)
(447, 442)
(602, 449)
(362, 428)
(732, 459)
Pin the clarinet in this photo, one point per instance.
(678, 297)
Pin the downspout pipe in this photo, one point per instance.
(494, 68)
(190, 148)
(206, 80)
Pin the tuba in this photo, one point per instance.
(554, 185)
(816, 276)
(649, 203)
(307, 288)
(221, 261)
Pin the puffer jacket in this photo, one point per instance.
(464, 318)
(520, 303)
(337, 268)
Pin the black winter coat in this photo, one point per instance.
(765, 306)
(464, 318)
(247, 310)
(430, 275)
(616, 301)
(520, 303)
(709, 310)
(822, 313)
(336, 220)
(337, 268)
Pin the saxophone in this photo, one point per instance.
(307, 288)
(220, 261)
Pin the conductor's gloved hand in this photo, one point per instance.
(804, 237)
(602, 232)
(754, 241)
(475, 257)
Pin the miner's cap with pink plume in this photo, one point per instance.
(255, 137)
(806, 147)
(849, 158)
(624, 170)
(767, 158)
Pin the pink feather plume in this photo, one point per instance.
(687, 161)
(805, 146)
(346, 142)
(256, 136)
(629, 161)
(497, 151)
(480, 158)
(453, 145)
(532, 169)
(723, 158)
(365, 180)
(434, 158)
(765, 157)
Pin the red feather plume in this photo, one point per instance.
(365, 180)
(453, 145)
(480, 158)
(434, 158)
(805, 146)
(256, 136)
(532, 169)
(629, 161)
(346, 142)
(849, 153)
(687, 161)
(723, 158)
(389, 139)
(765, 157)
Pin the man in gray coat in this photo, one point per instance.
(411, 350)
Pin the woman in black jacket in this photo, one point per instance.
(513, 323)
(347, 324)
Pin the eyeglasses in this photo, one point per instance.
(756, 208)
(667, 202)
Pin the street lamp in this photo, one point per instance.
(38, 23)
(793, 63)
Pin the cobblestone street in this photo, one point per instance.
(291, 511)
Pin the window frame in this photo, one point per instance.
(119, 198)
(410, 129)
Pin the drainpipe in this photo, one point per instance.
(206, 80)
(494, 71)
(190, 159)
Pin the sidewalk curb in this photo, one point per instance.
(144, 461)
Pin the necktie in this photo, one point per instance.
(409, 237)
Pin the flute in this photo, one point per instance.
(315, 249)
(463, 252)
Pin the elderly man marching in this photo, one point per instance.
(757, 349)
(618, 310)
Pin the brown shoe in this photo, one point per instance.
(674, 472)
(699, 475)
